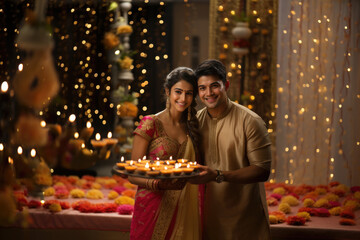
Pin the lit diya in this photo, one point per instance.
(153, 172)
(166, 172)
(188, 170)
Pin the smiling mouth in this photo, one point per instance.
(181, 104)
(210, 99)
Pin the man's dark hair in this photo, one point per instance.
(211, 67)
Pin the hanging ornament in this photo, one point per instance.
(242, 33)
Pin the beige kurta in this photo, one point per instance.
(236, 139)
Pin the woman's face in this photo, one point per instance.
(181, 95)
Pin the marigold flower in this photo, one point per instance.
(119, 189)
(77, 193)
(322, 212)
(311, 211)
(94, 194)
(352, 203)
(96, 185)
(272, 201)
(308, 202)
(346, 221)
(55, 207)
(111, 40)
(125, 209)
(124, 200)
(332, 197)
(129, 192)
(124, 29)
(279, 190)
(295, 220)
(285, 208)
(127, 109)
(110, 183)
(126, 62)
(305, 215)
(50, 191)
(347, 214)
(277, 196)
(335, 211)
(322, 203)
(112, 195)
(62, 193)
(88, 178)
(281, 217)
(34, 204)
(273, 219)
(291, 200)
(72, 179)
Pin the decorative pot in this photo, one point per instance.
(241, 30)
(125, 75)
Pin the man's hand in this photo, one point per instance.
(206, 175)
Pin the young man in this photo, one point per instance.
(237, 156)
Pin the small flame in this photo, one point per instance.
(97, 136)
(131, 162)
(83, 145)
(88, 124)
(188, 166)
(109, 135)
(170, 157)
(147, 165)
(10, 160)
(76, 135)
(122, 158)
(158, 163)
(144, 157)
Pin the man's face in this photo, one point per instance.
(212, 91)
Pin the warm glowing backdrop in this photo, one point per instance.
(318, 92)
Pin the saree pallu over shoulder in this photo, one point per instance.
(184, 207)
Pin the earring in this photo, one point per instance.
(189, 113)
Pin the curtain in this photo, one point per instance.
(318, 92)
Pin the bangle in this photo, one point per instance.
(155, 185)
(147, 185)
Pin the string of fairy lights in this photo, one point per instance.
(314, 93)
(149, 38)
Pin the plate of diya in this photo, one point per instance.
(160, 169)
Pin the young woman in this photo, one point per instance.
(168, 209)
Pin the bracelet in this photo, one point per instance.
(155, 185)
(147, 186)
